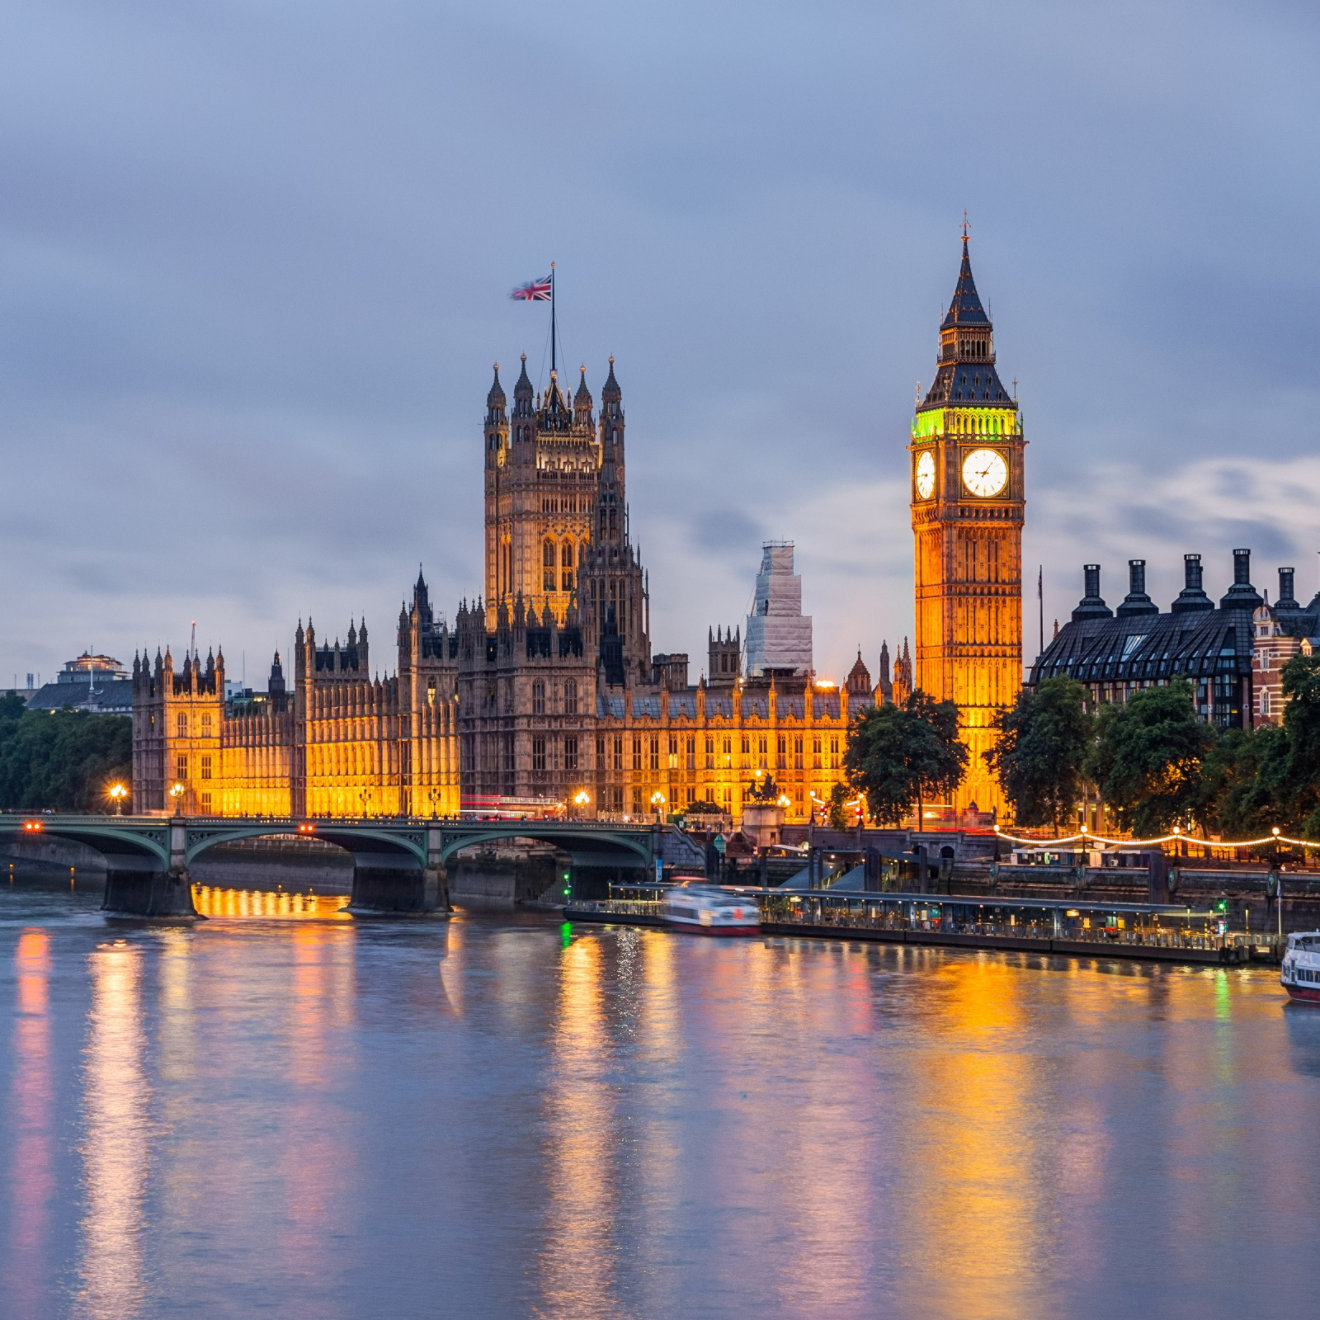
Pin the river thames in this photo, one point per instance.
(283, 1111)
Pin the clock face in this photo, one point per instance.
(984, 472)
(925, 475)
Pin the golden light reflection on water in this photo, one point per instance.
(578, 1254)
(32, 1177)
(316, 1166)
(212, 902)
(971, 1181)
(116, 1144)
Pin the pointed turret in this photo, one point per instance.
(495, 400)
(966, 373)
(582, 401)
(610, 392)
(965, 309)
(522, 394)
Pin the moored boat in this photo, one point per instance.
(1300, 975)
(709, 910)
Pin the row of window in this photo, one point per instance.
(570, 694)
(566, 561)
(181, 724)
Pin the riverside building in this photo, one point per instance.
(543, 688)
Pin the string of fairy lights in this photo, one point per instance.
(1178, 836)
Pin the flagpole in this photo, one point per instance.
(552, 318)
(1040, 596)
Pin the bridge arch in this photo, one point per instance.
(125, 845)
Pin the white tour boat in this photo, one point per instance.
(1300, 976)
(709, 910)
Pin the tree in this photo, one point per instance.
(1039, 756)
(898, 756)
(1147, 758)
(64, 759)
(838, 808)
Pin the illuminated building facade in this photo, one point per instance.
(968, 503)
(545, 688)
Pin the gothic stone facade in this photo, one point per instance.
(544, 687)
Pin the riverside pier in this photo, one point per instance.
(1149, 931)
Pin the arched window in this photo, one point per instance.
(548, 565)
(570, 697)
(538, 698)
(566, 562)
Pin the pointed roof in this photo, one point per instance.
(495, 399)
(965, 309)
(610, 391)
(523, 389)
(583, 394)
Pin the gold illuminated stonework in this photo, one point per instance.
(545, 689)
(967, 523)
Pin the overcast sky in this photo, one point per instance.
(255, 261)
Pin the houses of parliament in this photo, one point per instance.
(547, 687)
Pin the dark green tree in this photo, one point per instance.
(838, 808)
(1040, 754)
(1292, 774)
(899, 756)
(63, 760)
(1147, 757)
(1240, 793)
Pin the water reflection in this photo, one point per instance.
(32, 1177)
(286, 1115)
(579, 1253)
(115, 1146)
(213, 902)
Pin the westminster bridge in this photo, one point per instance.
(400, 866)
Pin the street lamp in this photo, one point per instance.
(434, 795)
(582, 800)
(658, 802)
(1278, 883)
(117, 794)
(176, 792)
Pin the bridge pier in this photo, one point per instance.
(149, 893)
(135, 886)
(380, 891)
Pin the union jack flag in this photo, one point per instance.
(533, 291)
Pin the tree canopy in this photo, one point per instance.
(62, 760)
(900, 756)
(1147, 758)
(1040, 754)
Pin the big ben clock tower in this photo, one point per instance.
(967, 513)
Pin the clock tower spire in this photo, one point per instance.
(968, 505)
